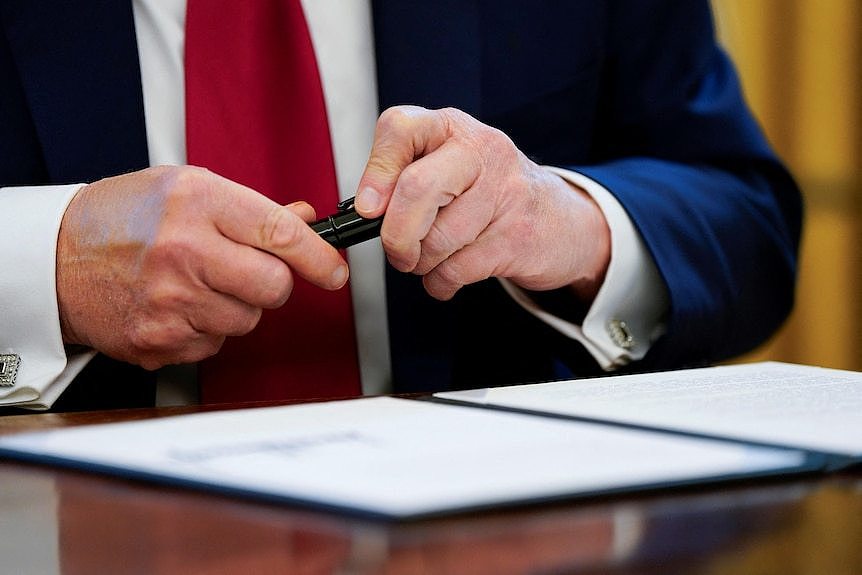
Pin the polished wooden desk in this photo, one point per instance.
(54, 520)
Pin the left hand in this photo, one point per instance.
(463, 204)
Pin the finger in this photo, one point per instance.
(474, 263)
(204, 346)
(255, 277)
(197, 347)
(403, 133)
(160, 342)
(284, 234)
(221, 315)
(457, 225)
(195, 331)
(304, 210)
(257, 221)
(422, 188)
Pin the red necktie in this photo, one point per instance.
(255, 114)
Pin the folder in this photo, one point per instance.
(402, 459)
(769, 403)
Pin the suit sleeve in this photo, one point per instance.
(682, 154)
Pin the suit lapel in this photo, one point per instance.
(89, 117)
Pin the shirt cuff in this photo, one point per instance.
(30, 218)
(629, 311)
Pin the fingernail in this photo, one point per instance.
(367, 200)
(339, 277)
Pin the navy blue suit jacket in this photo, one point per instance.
(634, 94)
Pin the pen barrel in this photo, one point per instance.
(345, 229)
(325, 230)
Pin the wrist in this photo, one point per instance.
(593, 243)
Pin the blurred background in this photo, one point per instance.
(801, 67)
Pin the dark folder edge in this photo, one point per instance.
(810, 466)
(812, 463)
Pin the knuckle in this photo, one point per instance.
(233, 322)
(276, 289)
(153, 327)
(455, 117)
(391, 244)
(209, 346)
(205, 346)
(436, 247)
(149, 336)
(178, 180)
(185, 186)
(498, 145)
(397, 248)
(458, 123)
(152, 363)
(401, 259)
(402, 113)
(395, 119)
(438, 289)
(441, 239)
(247, 322)
(279, 229)
(414, 181)
(448, 273)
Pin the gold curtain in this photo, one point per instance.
(801, 67)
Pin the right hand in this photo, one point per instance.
(156, 267)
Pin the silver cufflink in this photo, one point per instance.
(8, 369)
(619, 332)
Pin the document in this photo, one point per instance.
(805, 407)
(398, 458)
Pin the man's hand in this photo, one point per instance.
(158, 266)
(463, 204)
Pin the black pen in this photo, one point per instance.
(345, 227)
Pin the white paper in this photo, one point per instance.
(399, 457)
(801, 406)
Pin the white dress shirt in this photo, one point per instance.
(625, 318)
